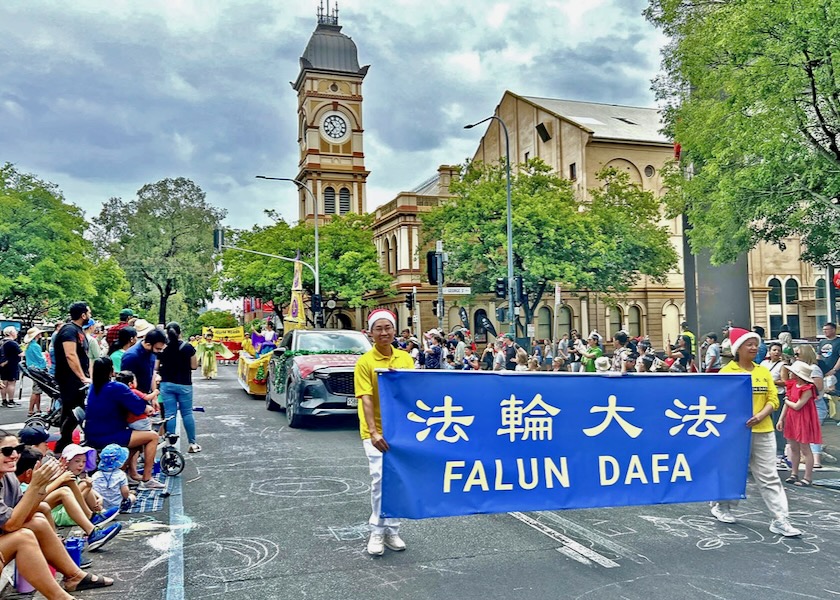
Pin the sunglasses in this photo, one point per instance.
(7, 451)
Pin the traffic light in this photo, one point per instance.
(501, 315)
(519, 296)
(437, 308)
(218, 239)
(409, 301)
(432, 266)
(501, 288)
(316, 304)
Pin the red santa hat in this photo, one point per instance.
(738, 336)
(381, 313)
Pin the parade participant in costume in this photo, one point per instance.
(207, 350)
(763, 443)
(269, 339)
(383, 327)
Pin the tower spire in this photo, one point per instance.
(325, 17)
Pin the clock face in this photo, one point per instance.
(335, 127)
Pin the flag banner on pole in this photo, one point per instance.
(481, 442)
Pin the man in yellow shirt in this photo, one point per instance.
(763, 444)
(382, 326)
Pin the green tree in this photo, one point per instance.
(112, 291)
(44, 258)
(752, 96)
(221, 319)
(163, 241)
(603, 244)
(349, 266)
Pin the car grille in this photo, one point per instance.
(340, 384)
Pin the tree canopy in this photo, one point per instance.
(163, 239)
(349, 266)
(603, 244)
(45, 261)
(753, 98)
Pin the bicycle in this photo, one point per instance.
(171, 460)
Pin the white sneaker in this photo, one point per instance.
(194, 448)
(783, 527)
(721, 514)
(395, 542)
(376, 544)
(152, 484)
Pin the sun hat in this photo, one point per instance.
(739, 335)
(801, 369)
(602, 364)
(71, 451)
(31, 334)
(113, 457)
(143, 327)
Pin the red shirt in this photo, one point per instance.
(114, 332)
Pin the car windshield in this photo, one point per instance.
(315, 341)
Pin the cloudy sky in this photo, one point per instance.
(101, 97)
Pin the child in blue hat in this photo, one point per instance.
(110, 481)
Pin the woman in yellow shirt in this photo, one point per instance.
(763, 444)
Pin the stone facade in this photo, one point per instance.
(578, 139)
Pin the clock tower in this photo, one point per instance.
(330, 130)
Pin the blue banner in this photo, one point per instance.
(482, 442)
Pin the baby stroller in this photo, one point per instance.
(52, 417)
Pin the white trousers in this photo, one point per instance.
(377, 523)
(763, 467)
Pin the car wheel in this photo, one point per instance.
(269, 403)
(294, 418)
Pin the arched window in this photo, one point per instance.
(820, 291)
(616, 321)
(544, 323)
(564, 319)
(670, 323)
(392, 257)
(344, 201)
(791, 291)
(386, 255)
(329, 201)
(775, 293)
(634, 321)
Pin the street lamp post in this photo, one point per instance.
(512, 328)
(303, 186)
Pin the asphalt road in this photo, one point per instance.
(271, 512)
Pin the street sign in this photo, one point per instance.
(457, 291)
(532, 330)
(558, 295)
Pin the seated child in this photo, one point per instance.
(37, 438)
(79, 461)
(112, 483)
(64, 504)
(138, 422)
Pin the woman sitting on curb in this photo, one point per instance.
(26, 533)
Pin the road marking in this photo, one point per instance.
(596, 538)
(13, 426)
(175, 579)
(569, 546)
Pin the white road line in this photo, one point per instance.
(13, 426)
(569, 545)
(596, 538)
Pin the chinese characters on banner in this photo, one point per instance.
(466, 442)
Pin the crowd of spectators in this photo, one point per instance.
(109, 382)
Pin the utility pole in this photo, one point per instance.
(439, 266)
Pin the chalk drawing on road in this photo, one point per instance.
(713, 535)
(392, 578)
(225, 565)
(705, 586)
(346, 533)
(232, 420)
(308, 486)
